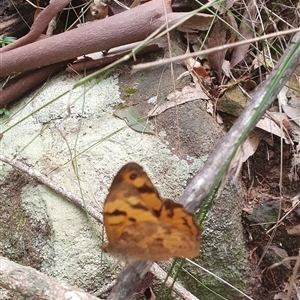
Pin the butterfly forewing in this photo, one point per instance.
(123, 208)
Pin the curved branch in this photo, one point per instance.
(128, 27)
(39, 24)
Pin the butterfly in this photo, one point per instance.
(142, 226)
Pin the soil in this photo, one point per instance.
(21, 236)
(20, 249)
(261, 176)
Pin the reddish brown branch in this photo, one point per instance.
(128, 27)
(24, 82)
(39, 24)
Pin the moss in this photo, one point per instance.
(128, 91)
(120, 106)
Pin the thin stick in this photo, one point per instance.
(59, 189)
(165, 61)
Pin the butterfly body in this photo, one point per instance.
(142, 226)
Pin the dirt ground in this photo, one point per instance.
(261, 175)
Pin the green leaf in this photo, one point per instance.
(134, 120)
(4, 111)
(7, 40)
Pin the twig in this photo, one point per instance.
(105, 289)
(129, 279)
(89, 62)
(24, 82)
(53, 185)
(201, 53)
(293, 277)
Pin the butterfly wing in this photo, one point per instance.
(123, 209)
(134, 175)
(185, 233)
(142, 226)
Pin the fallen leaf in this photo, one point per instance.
(179, 97)
(250, 145)
(226, 68)
(217, 37)
(245, 32)
(271, 124)
(195, 68)
(134, 120)
(199, 22)
(280, 296)
(210, 108)
(293, 175)
(294, 230)
(262, 59)
(290, 98)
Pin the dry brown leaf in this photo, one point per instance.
(246, 150)
(272, 124)
(179, 97)
(294, 230)
(196, 70)
(99, 9)
(246, 31)
(210, 108)
(199, 22)
(262, 59)
(293, 175)
(250, 145)
(289, 98)
(217, 37)
(226, 68)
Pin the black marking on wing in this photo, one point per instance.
(116, 213)
(145, 189)
(139, 206)
(156, 213)
(170, 205)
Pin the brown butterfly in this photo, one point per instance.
(142, 226)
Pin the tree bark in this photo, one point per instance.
(36, 285)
